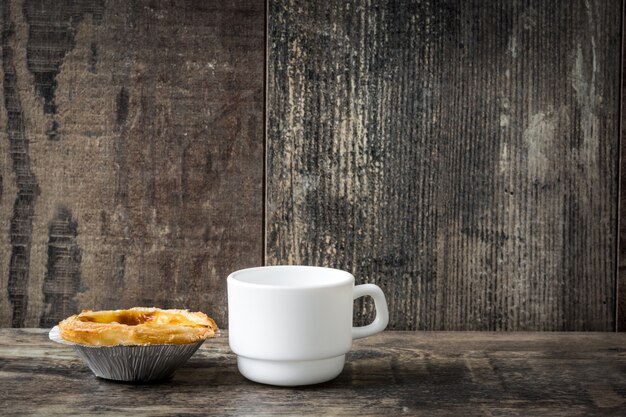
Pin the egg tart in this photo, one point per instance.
(137, 326)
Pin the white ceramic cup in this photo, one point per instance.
(292, 325)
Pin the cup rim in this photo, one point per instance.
(347, 278)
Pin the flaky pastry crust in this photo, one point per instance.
(137, 326)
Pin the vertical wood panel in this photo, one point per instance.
(461, 155)
(132, 154)
(621, 253)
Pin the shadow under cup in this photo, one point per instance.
(292, 325)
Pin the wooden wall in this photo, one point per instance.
(131, 153)
(461, 155)
(621, 255)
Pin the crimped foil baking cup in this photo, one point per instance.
(142, 363)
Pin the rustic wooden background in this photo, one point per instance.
(131, 154)
(461, 155)
(621, 256)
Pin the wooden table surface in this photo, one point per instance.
(394, 373)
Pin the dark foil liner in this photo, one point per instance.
(142, 363)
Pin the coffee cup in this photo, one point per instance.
(292, 325)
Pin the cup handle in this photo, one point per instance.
(382, 313)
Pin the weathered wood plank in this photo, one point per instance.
(394, 373)
(461, 155)
(142, 124)
(21, 222)
(621, 254)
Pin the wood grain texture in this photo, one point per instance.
(393, 373)
(21, 221)
(131, 154)
(621, 254)
(62, 281)
(461, 155)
